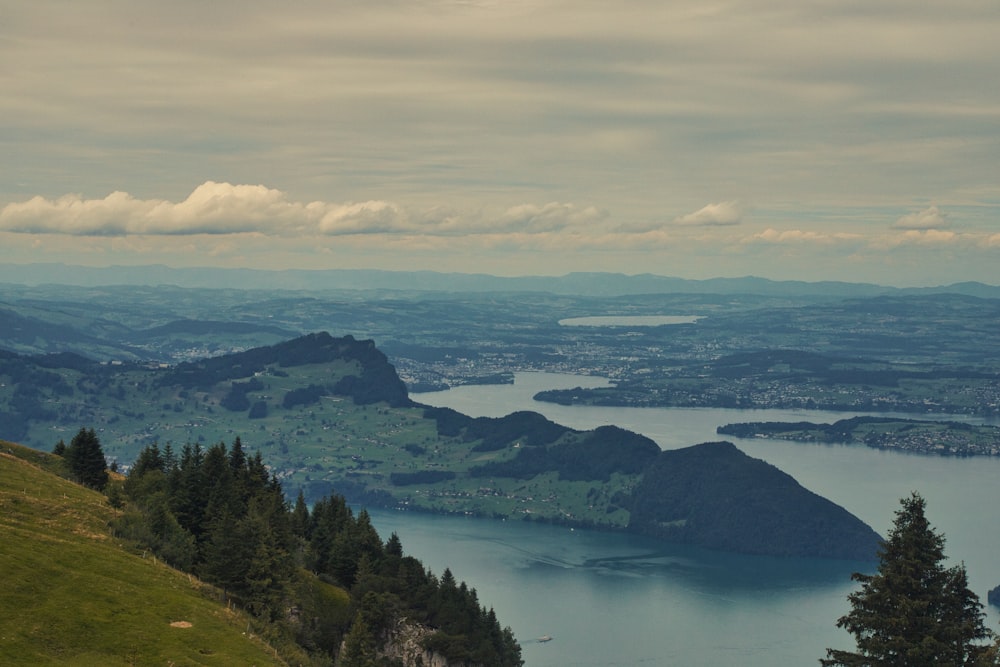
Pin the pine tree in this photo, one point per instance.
(86, 459)
(913, 612)
(300, 518)
(359, 646)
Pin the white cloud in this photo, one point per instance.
(722, 214)
(223, 208)
(551, 217)
(212, 208)
(370, 217)
(929, 218)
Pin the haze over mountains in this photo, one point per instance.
(590, 283)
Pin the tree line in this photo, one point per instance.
(321, 578)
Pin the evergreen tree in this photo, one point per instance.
(359, 646)
(300, 518)
(913, 612)
(189, 493)
(149, 458)
(86, 459)
(393, 546)
(227, 553)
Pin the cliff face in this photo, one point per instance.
(405, 644)
(715, 496)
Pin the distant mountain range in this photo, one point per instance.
(583, 283)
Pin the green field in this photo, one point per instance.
(72, 595)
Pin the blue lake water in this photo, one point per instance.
(628, 320)
(612, 599)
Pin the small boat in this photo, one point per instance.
(545, 638)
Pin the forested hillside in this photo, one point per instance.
(73, 594)
(319, 584)
(322, 576)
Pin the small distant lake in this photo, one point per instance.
(629, 320)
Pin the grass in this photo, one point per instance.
(72, 595)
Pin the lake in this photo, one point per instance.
(611, 599)
(628, 321)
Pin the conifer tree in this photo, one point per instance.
(913, 612)
(359, 646)
(86, 459)
(300, 518)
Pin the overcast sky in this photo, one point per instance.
(791, 139)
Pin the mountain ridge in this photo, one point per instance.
(581, 283)
(332, 415)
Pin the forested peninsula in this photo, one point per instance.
(915, 436)
(331, 417)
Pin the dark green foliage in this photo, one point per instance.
(86, 459)
(530, 428)
(913, 612)
(300, 518)
(359, 645)
(716, 496)
(449, 422)
(595, 456)
(304, 396)
(236, 398)
(219, 514)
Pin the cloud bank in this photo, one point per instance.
(222, 208)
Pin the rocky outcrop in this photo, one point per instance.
(406, 643)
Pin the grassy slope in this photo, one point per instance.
(71, 595)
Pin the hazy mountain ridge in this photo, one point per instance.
(581, 283)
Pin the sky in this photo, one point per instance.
(853, 140)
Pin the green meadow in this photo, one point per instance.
(71, 594)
